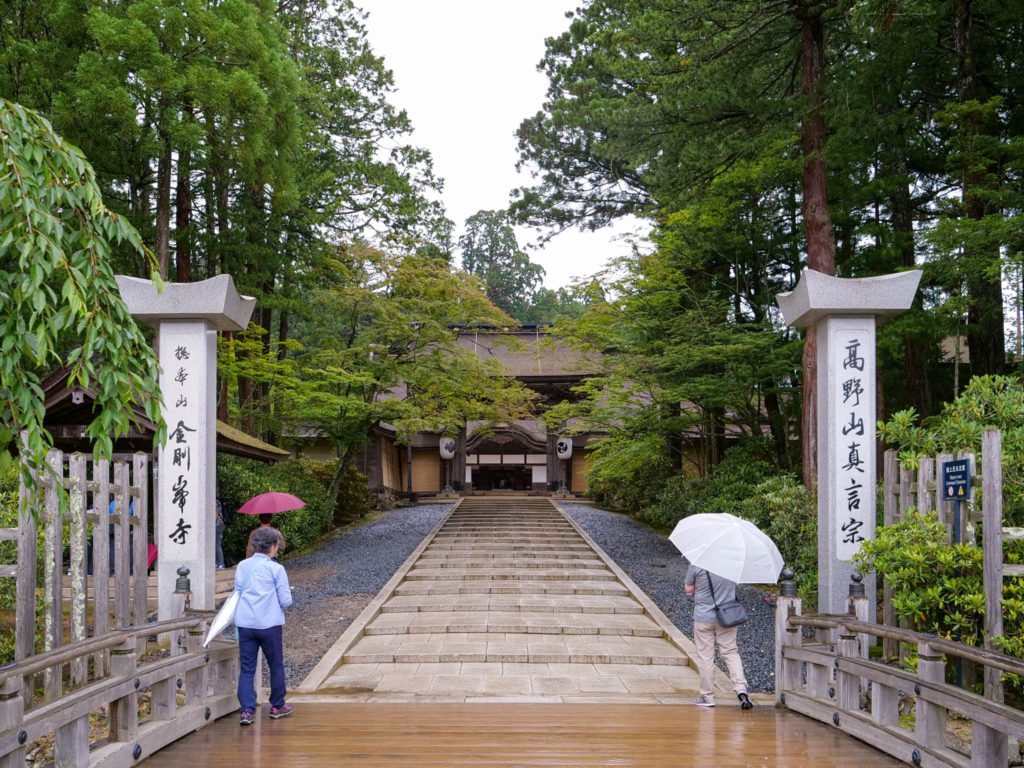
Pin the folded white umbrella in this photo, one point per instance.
(728, 546)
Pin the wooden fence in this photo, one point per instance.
(82, 541)
(905, 488)
(833, 680)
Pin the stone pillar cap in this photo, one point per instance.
(215, 300)
(818, 295)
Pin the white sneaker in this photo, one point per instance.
(704, 701)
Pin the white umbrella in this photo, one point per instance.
(729, 546)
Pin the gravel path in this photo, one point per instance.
(656, 566)
(333, 583)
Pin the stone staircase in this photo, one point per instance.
(508, 599)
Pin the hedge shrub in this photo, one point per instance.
(238, 480)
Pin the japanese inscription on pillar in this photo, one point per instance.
(182, 455)
(852, 374)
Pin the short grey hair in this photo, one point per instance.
(264, 539)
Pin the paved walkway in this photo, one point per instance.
(508, 600)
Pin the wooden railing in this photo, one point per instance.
(206, 678)
(832, 680)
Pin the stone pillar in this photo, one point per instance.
(187, 317)
(553, 462)
(844, 311)
(459, 471)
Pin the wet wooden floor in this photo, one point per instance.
(501, 735)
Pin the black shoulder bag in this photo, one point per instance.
(731, 613)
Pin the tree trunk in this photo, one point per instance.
(163, 201)
(986, 344)
(821, 246)
(222, 392)
(183, 218)
(903, 232)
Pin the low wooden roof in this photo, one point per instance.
(69, 410)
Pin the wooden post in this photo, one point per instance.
(847, 685)
(966, 528)
(930, 729)
(138, 522)
(122, 548)
(25, 612)
(12, 713)
(101, 557)
(179, 604)
(124, 712)
(71, 744)
(925, 484)
(196, 680)
(53, 587)
(860, 607)
(992, 495)
(164, 699)
(944, 508)
(890, 511)
(885, 704)
(78, 568)
(906, 492)
(225, 675)
(787, 671)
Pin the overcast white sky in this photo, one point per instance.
(466, 73)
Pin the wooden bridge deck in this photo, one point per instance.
(505, 735)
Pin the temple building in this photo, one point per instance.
(517, 457)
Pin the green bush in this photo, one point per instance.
(782, 508)
(734, 481)
(938, 588)
(986, 402)
(238, 480)
(627, 473)
(354, 499)
(8, 555)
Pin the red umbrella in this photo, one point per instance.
(271, 503)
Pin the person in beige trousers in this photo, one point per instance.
(707, 589)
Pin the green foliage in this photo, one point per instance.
(491, 252)
(782, 508)
(938, 587)
(626, 472)
(987, 402)
(373, 344)
(59, 301)
(238, 480)
(732, 482)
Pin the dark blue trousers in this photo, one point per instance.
(250, 642)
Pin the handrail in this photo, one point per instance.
(67, 653)
(951, 647)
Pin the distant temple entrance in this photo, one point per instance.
(486, 478)
(520, 456)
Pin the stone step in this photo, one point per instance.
(524, 622)
(503, 561)
(444, 538)
(512, 679)
(511, 587)
(564, 543)
(477, 553)
(507, 530)
(509, 574)
(569, 604)
(514, 647)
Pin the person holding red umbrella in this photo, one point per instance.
(265, 522)
(266, 505)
